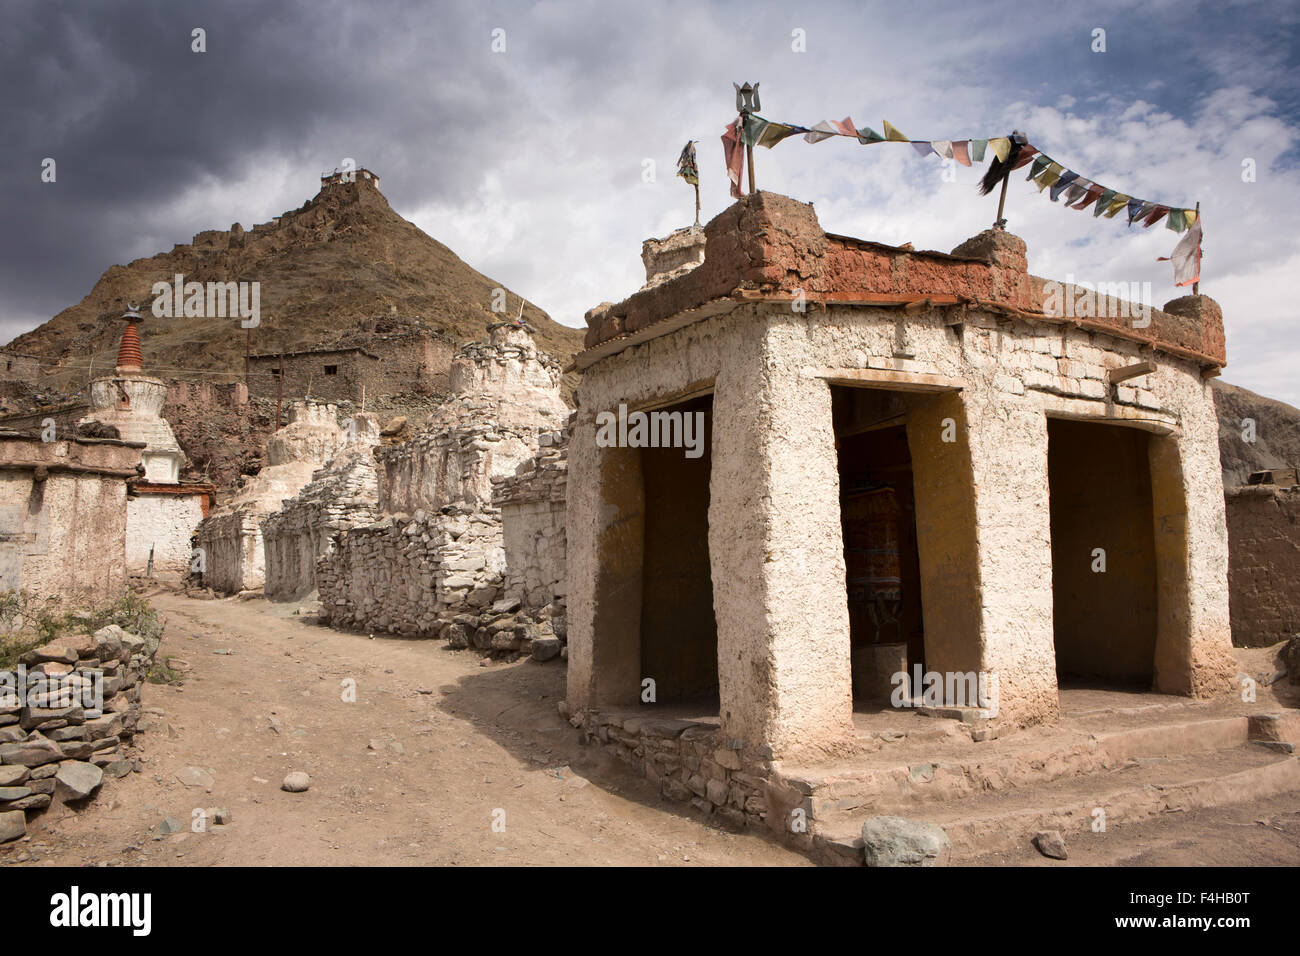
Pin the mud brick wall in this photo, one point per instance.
(64, 754)
(1263, 564)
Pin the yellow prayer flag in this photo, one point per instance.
(892, 135)
(1050, 175)
(1119, 202)
(1189, 217)
(1001, 147)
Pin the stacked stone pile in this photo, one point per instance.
(63, 753)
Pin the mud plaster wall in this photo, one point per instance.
(775, 535)
(232, 552)
(163, 523)
(1105, 621)
(1264, 564)
(63, 536)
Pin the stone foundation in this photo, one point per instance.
(412, 575)
(690, 761)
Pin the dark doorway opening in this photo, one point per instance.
(1104, 579)
(882, 562)
(679, 632)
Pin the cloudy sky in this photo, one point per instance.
(530, 162)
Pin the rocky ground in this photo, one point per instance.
(434, 752)
(436, 748)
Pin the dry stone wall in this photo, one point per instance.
(434, 562)
(50, 752)
(531, 503)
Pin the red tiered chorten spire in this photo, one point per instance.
(129, 358)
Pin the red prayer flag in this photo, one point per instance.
(734, 151)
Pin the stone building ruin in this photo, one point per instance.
(342, 494)
(909, 462)
(433, 563)
(230, 538)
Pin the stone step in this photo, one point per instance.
(879, 781)
(1144, 787)
(1278, 731)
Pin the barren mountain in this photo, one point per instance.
(325, 269)
(1276, 432)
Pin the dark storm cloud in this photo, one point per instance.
(530, 164)
(133, 117)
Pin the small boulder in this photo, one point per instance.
(896, 841)
(546, 648)
(13, 825)
(77, 780)
(296, 782)
(1051, 844)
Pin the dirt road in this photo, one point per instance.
(438, 761)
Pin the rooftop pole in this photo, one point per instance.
(747, 103)
(1196, 286)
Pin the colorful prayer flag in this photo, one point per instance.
(773, 133)
(1001, 147)
(754, 128)
(977, 147)
(892, 134)
(733, 150)
(823, 130)
(960, 151)
(1025, 155)
(687, 168)
(1103, 202)
(1062, 183)
(1187, 257)
(1155, 216)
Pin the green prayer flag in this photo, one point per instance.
(754, 128)
(977, 147)
(867, 135)
(1103, 202)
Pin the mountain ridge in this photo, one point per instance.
(329, 268)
